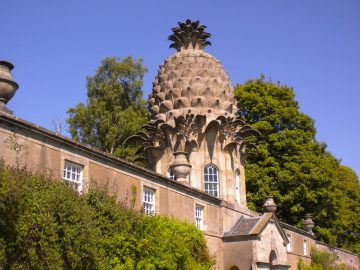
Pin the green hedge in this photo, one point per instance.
(46, 225)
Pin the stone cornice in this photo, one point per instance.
(340, 249)
(297, 230)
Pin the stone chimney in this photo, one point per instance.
(8, 86)
(269, 205)
(309, 224)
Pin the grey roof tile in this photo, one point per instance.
(243, 226)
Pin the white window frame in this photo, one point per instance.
(305, 247)
(211, 180)
(199, 216)
(288, 246)
(73, 174)
(171, 175)
(149, 201)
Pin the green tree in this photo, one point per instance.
(293, 167)
(114, 109)
(348, 195)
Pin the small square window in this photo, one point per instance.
(199, 216)
(73, 175)
(149, 201)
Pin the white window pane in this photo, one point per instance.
(288, 247)
(73, 174)
(149, 201)
(199, 210)
(211, 180)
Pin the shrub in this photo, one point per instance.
(44, 224)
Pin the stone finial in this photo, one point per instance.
(7, 85)
(189, 35)
(308, 224)
(181, 167)
(269, 205)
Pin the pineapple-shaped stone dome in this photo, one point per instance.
(191, 81)
(193, 119)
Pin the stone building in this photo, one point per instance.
(195, 147)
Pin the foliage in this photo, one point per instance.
(321, 260)
(114, 109)
(295, 168)
(46, 225)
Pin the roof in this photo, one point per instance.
(243, 226)
(253, 226)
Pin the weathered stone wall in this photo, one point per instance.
(296, 249)
(239, 254)
(270, 241)
(344, 257)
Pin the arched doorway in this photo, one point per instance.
(234, 268)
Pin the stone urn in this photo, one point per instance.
(181, 167)
(8, 86)
(269, 205)
(309, 223)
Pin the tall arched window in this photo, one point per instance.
(211, 180)
(237, 185)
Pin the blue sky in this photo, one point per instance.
(313, 46)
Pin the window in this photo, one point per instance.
(73, 174)
(237, 185)
(171, 174)
(288, 246)
(149, 201)
(305, 247)
(199, 216)
(211, 180)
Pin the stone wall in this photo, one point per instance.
(270, 241)
(239, 254)
(295, 250)
(349, 259)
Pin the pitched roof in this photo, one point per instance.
(252, 226)
(243, 226)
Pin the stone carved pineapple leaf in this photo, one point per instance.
(189, 35)
(188, 130)
(234, 133)
(151, 137)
